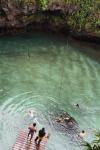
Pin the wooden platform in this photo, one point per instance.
(22, 143)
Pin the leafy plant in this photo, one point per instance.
(42, 4)
(95, 144)
(88, 145)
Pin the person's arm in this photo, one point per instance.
(35, 130)
(29, 127)
(48, 136)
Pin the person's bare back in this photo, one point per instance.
(32, 130)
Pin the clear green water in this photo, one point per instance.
(46, 74)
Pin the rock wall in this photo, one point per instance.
(80, 18)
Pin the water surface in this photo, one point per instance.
(44, 73)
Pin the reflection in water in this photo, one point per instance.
(41, 74)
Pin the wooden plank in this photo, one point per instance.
(22, 143)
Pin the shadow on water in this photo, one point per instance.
(90, 49)
(26, 41)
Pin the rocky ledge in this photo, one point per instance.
(63, 122)
(67, 125)
(79, 19)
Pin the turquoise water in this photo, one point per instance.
(44, 73)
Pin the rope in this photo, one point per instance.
(62, 75)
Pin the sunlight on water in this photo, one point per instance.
(45, 74)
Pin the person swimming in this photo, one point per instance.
(30, 113)
(59, 120)
(68, 119)
(31, 116)
(82, 134)
(77, 105)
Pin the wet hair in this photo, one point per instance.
(83, 131)
(34, 124)
(42, 132)
(77, 105)
(43, 129)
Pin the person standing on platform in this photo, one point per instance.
(32, 130)
(41, 135)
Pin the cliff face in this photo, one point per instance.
(80, 17)
(15, 14)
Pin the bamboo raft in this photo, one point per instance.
(22, 143)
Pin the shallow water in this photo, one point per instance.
(44, 73)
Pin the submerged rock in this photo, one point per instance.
(65, 123)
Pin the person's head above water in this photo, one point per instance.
(82, 134)
(83, 131)
(77, 105)
(34, 124)
(30, 113)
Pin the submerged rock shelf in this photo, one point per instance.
(65, 124)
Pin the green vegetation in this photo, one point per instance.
(43, 4)
(86, 17)
(95, 145)
(80, 15)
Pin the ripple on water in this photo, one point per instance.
(14, 117)
(53, 77)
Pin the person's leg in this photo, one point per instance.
(28, 134)
(31, 136)
(36, 138)
(39, 142)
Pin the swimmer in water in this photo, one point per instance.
(69, 120)
(32, 117)
(30, 113)
(77, 105)
(60, 119)
(82, 134)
